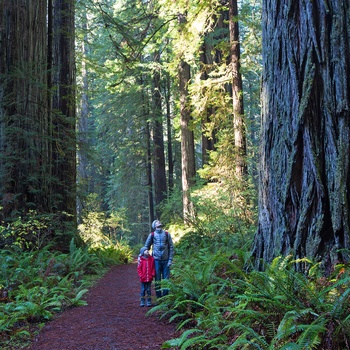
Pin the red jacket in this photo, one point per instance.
(146, 269)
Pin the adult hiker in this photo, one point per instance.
(162, 252)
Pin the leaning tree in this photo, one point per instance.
(304, 172)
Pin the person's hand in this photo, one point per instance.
(169, 263)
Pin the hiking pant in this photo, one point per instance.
(145, 289)
(162, 272)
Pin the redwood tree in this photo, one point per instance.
(24, 160)
(237, 91)
(160, 181)
(305, 151)
(187, 141)
(37, 109)
(63, 104)
(188, 167)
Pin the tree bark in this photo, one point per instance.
(188, 168)
(23, 111)
(167, 95)
(64, 119)
(304, 173)
(83, 175)
(208, 143)
(149, 175)
(160, 186)
(187, 141)
(237, 91)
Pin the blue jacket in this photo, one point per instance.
(162, 245)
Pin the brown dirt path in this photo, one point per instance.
(112, 320)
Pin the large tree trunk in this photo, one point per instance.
(64, 141)
(23, 112)
(304, 174)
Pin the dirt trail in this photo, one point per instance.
(112, 320)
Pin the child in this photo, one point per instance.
(146, 271)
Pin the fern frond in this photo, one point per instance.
(289, 324)
(180, 341)
(248, 333)
(341, 304)
(197, 340)
(183, 323)
(311, 336)
(290, 346)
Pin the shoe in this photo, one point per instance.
(149, 303)
(142, 303)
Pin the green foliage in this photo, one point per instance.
(220, 302)
(34, 231)
(171, 208)
(106, 236)
(119, 252)
(120, 46)
(220, 221)
(34, 285)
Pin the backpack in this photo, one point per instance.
(166, 234)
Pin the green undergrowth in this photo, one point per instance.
(219, 301)
(35, 285)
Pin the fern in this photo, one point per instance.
(229, 307)
(310, 338)
(77, 299)
(247, 337)
(178, 342)
(33, 289)
(291, 346)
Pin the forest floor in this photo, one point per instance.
(112, 319)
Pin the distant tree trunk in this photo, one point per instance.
(149, 180)
(169, 136)
(24, 160)
(188, 168)
(304, 194)
(208, 141)
(212, 53)
(149, 175)
(83, 128)
(187, 141)
(158, 139)
(237, 91)
(64, 140)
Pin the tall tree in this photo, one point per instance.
(187, 135)
(305, 166)
(237, 91)
(83, 167)
(160, 182)
(187, 140)
(167, 96)
(63, 104)
(37, 163)
(207, 60)
(24, 161)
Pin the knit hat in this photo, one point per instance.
(142, 250)
(155, 224)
